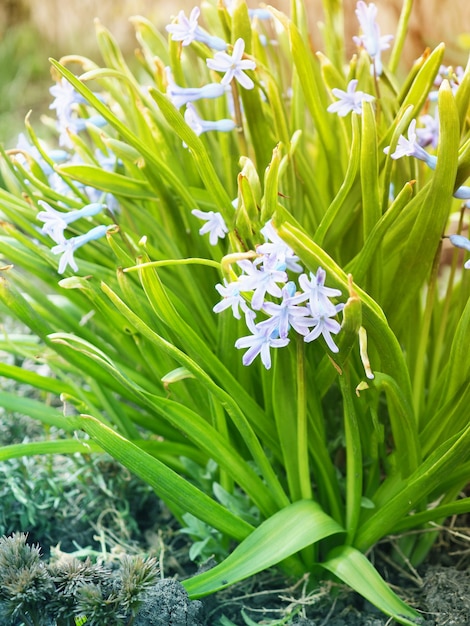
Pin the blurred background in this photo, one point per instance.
(32, 31)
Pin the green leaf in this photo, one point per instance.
(459, 358)
(353, 568)
(167, 484)
(418, 250)
(61, 446)
(110, 182)
(279, 537)
(35, 409)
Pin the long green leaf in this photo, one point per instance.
(353, 568)
(279, 537)
(167, 483)
(110, 182)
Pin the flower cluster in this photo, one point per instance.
(55, 222)
(427, 135)
(371, 39)
(308, 311)
(234, 65)
(65, 102)
(186, 30)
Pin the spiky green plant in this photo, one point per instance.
(354, 424)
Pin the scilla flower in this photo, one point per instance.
(214, 225)
(370, 39)
(349, 100)
(180, 96)
(55, 222)
(188, 30)
(459, 241)
(68, 246)
(200, 126)
(259, 342)
(411, 147)
(233, 65)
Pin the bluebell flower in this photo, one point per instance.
(287, 313)
(428, 134)
(55, 222)
(260, 14)
(233, 65)
(459, 241)
(25, 147)
(199, 126)
(317, 294)
(261, 281)
(188, 30)
(276, 248)
(259, 342)
(231, 298)
(215, 225)
(65, 97)
(462, 193)
(68, 247)
(325, 326)
(75, 125)
(411, 147)
(453, 75)
(349, 100)
(371, 39)
(180, 96)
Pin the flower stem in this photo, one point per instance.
(302, 431)
(239, 118)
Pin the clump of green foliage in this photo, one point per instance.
(242, 192)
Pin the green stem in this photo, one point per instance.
(353, 459)
(302, 425)
(164, 262)
(239, 118)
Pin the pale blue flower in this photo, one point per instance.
(261, 281)
(24, 146)
(261, 14)
(180, 96)
(318, 295)
(260, 343)
(428, 134)
(459, 241)
(370, 39)
(68, 247)
(199, 126)
(462, 193)
(287, 313)
(74, 125)
(55, 222)
(325, 326)
(349, 100)
(453, 75)
(188, 30)
(65, 97)
(411, 147)
(231, 298)
(276, 248)
(215, 225)
(233, 65)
